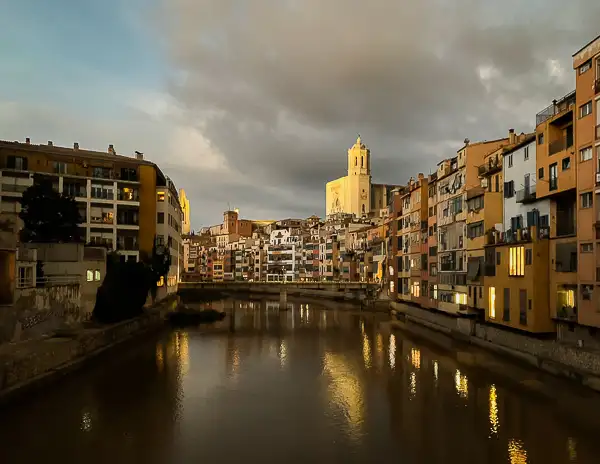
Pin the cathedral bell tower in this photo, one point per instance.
(359, 159)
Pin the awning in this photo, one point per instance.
(473, 269)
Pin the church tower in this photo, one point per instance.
(359, 159)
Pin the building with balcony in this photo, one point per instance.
(417, 249)
(116, 195)
(284, 255)
(432, 243)
(586, 63)
(403, 245)
(517, 280)
(556, 182)
(169, 216)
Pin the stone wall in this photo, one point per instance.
(27, 363)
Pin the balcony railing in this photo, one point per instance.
(557, 106)
(526, 195)
(491, 165)
(553, 183)
(562, 144)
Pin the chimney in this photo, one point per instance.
(76, 146)
(50, 144)
(27, 140)
(511, 136)
(421, 176)
(467, 141)
(111, 149)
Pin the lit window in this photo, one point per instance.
(160, 196)
(492, 302)
(435, 292)
(161, 282)
(97, 275)
(516, 265)
(460, 298)
(90, 275)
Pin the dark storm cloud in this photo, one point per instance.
(288, 84)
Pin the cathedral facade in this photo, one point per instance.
(355, 193)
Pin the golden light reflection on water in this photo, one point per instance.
(345, 391)
(435, 371)
(462, 384)
(86, 422)
(572, 448)
(516, 452)
(494, 421)
(160, 357)
(283, 353)
(379, 351)
(392, 350)
(184, 353)
(366, 348)
(415, 358)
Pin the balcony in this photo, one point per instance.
(557, 107)
(526, 195)
(491, 166)
(559, 145)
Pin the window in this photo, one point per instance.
(586, 292)
(25, 277)
(492, 302)
(475, 230)
(540, 173)
(60, 168)
(585, 154)
(160, 196)
(526, 153)
(90, 275)
(506, 312)
(103, 173)
(553, 176)
(97, 275)
(160, 218)
(516, 266)
(541, 139)
(475, 204)
(528, 256)
(498, 258)
(585, 67)
(16, 162)
(586, 200)
(586, 109)
(509, 189)
(587, 247)
(566, 163)
(510, 160)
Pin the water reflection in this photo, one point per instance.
(302, 385)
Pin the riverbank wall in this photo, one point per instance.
(29, 365)
(578, 364)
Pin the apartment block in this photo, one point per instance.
(116, 195)
(417, 248)
(586, 63)
(169, 218)
(403, 256)
(432, 242)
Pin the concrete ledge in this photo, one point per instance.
(26, 365)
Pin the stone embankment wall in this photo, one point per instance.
(565, 360)
(29, 363)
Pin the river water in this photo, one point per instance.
(307, 385)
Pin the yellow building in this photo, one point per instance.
(185, 208)
(354, 193)
(116, 195)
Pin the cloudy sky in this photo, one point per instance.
(253, 103)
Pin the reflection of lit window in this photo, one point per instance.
(413, 383)
(462, 384)
(392, 349)
(415, 358)
(97, 275)
(391, 286)
(435, 370)
(90, 275)
(161, 282)
(516, 265)
(516, 452)
(494, 422)
(492, 302)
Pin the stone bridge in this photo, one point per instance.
(344, 291)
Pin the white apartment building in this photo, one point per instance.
(521, 209)
(169, 216)
(284, 255)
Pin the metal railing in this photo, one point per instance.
(557, 106)
(526, 194)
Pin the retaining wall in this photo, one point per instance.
(551, 356)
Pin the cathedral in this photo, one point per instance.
(354, 193)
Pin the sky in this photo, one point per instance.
(253, 104)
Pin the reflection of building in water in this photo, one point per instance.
(462, 384)
(392, 351)
(366, 346)
(345, 391)
(516, 452)
(494, 421)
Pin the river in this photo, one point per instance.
(306, 385)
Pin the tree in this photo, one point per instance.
(48, 216)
